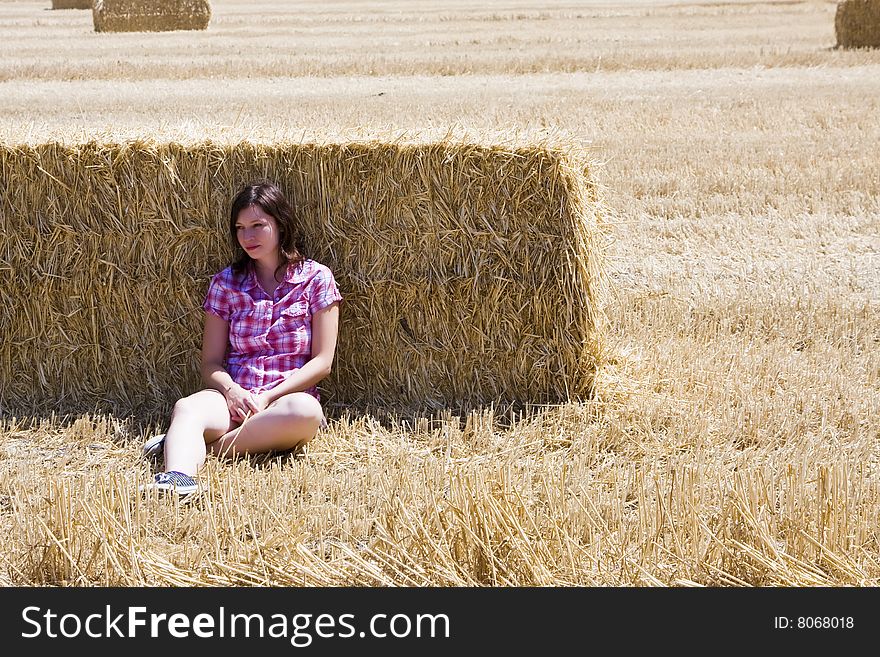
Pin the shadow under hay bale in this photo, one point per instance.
(472, 274)
(150, 15)
(857, 24)
(72, 4)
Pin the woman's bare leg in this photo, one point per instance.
(290, 421)
(198, 419)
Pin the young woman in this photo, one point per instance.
(271, 323)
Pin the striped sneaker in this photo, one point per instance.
(174, 482)
(154, 447)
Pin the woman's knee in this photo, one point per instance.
(301, 407)
(186, 406)
(198, 405)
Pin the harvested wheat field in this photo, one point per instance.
(716, 291)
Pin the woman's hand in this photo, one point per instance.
(242, 403)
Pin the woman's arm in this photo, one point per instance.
(216, 336)
(325, 328)
(214, 341)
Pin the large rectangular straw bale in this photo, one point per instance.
(857, 24)
(71, 4)
(471, 274)
(150, 15)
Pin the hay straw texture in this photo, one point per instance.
(150, 15)
(857, 24)
(471, 274)
(71, 4)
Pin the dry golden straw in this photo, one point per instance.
(471, 273)
(71, 4)
(857, 24)
(150, 15)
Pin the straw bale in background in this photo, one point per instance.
(471, 274)
(150, 15)
(71, 4)
(857, 24)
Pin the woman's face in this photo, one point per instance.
(257, 233)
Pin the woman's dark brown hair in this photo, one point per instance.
(269, 198)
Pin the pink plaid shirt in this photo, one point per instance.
(270, 338)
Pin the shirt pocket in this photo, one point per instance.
(245, 329)
(296, 315)
(292, 332)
